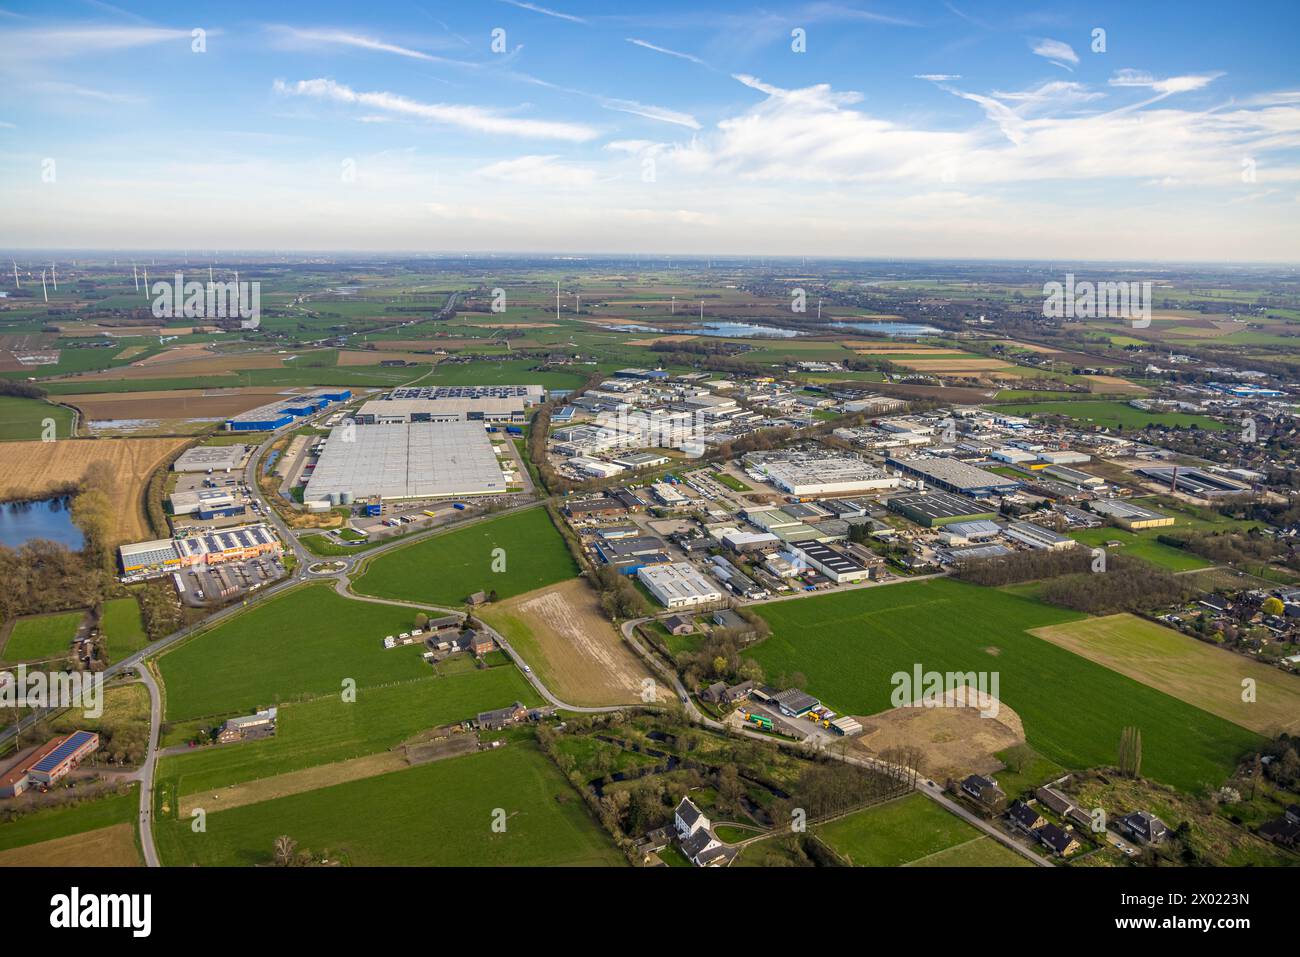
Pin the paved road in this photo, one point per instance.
(146, 772)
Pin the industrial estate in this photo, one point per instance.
(474, 559)
(590, 551)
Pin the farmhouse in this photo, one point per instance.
(695, 834)
(501, 717)
(258, 725)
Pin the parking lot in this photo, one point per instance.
(205, 585)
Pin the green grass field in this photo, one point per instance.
(329, 729)
(1112, 414)
(850, 645)
(304, 643)
(50, 823)
(23, 420)
(437, 814)
(445, 569)
(122, 627)
(978, 852)
(1142, 544)
(504, 372)
(41, 638)
(900, 832)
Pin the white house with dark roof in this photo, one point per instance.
(695, 834)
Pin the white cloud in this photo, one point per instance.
(1168, 85)
(658, 49)
(663, 114)
(475, 118)
(544, 10)
(1058, 52)
(85, 41)
(539, 171)
(103, 96)
(937, 77)
(295, 37)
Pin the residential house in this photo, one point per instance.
(679, 625)
(737, 692)
(1143, 827)
(714, 692)
(1062, 842)
(984, 790)
(1281, 831)
(1025, 817)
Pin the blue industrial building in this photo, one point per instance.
(278, 414)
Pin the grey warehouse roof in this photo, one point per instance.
(411, 460)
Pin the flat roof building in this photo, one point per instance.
(1035, 536)
(954, 476)
(836, 566)
(282, 412)
(208, 548)
(938, 508)
(1129, 514)
(1193, 481)
(412, 460)
(679, 585)
(800, 473)
(216, 458)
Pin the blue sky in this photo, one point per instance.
(923, 129)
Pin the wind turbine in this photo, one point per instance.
(55, 276)
(135, 277)
(557, 300)
(44, 291)
(17, 284)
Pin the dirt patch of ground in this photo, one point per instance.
(1114, 385)
(294, 782)
(956, 741)
(435, 749)
(34, 468)
(581, 656)
(112, 846)
(940, 365)
(173, 404)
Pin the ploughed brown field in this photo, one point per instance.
(171, 404)
(35, 468)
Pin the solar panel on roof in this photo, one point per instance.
(212, 543)
(56, 757)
